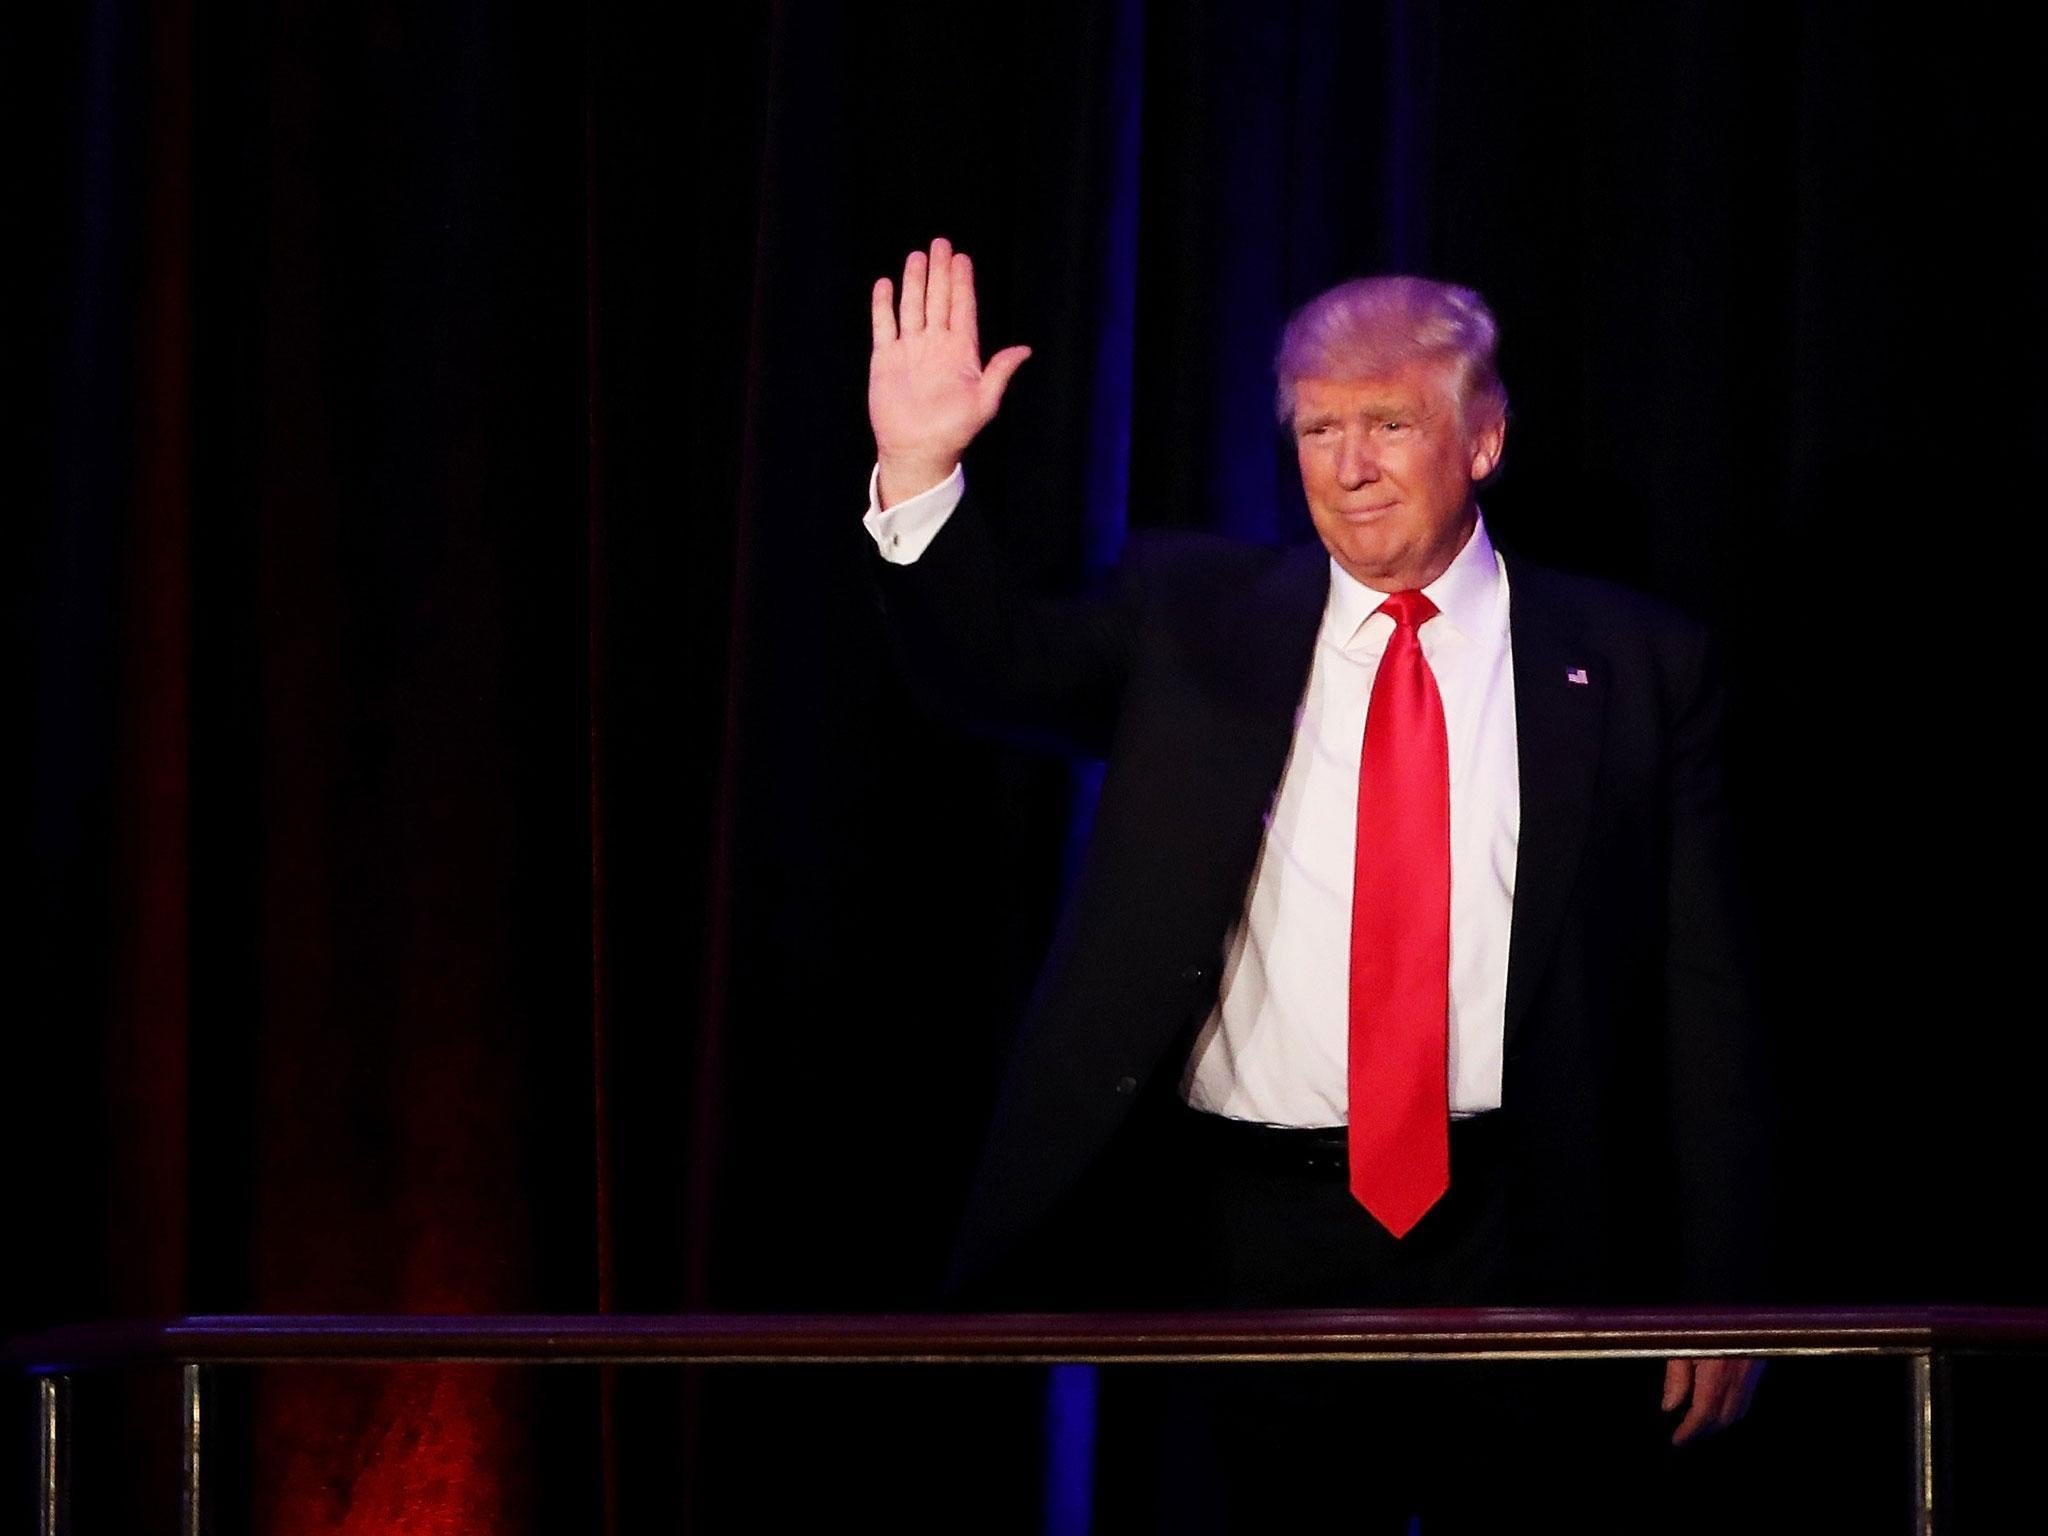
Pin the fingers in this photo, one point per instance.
(1751, 1381)
(913, 293)
(1743, 1389)
(938, 291)
(938, 298)
(1721, 1389)
(965, 315)
(1699, 1419)
(882, 312)
(995, 377)
(1677, 1382)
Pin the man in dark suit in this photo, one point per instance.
(1527, 887)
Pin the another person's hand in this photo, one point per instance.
(928, 391)
(1715, 1392)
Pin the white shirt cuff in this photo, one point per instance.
(903, 532)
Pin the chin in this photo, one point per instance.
(1375, 563)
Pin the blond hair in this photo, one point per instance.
(1374, 325)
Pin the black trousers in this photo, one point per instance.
(1176, 1221)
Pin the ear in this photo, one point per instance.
(1487, 444)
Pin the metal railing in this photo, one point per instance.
(1928, 1337)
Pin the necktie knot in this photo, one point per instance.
(1408, 609)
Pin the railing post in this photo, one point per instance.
(1930, 1434)
(194, 1521)
(53, 1514)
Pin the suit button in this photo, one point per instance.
(1194, 974)
(1127, 1086)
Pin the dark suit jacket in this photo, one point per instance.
(1633, 1080)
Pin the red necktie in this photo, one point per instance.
(1401, 936)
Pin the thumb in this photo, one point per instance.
(1677, 1381)
(996, 376)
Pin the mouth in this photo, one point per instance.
(1367, 513)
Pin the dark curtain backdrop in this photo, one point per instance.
(471, 849)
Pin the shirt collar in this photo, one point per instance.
(1471, 594)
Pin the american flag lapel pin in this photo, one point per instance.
(1578, 675)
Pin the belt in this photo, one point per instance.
(1315, 1150)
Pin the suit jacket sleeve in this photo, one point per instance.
(982, 647)
(1719, 1093)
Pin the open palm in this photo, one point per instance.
(929, 392)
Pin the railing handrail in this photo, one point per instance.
(1018, 1338)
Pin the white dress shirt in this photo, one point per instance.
(1274, 1047)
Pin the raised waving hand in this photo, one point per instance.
(929, 392)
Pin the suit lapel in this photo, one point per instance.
(1262, 656)
(1560, 700)
(1226, 743)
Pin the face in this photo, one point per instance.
(1388, 471)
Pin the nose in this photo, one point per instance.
(1357, 464)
